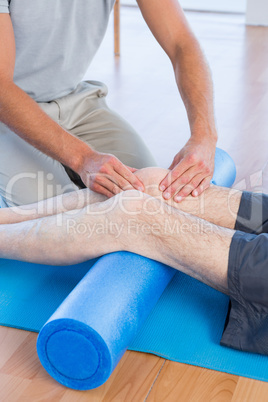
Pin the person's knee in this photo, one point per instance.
(130, 202)
(136, 205)
(151, 178)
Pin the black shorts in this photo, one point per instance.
(246, 326)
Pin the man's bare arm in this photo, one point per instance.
(23, 115)
(192, 167)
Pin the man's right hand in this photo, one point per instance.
(105, 174)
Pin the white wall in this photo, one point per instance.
(225, 6)
(128, 2)
(257, 12)
(236, 6)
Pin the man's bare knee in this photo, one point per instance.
(151, 178)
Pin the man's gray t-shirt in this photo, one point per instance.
(55, 42)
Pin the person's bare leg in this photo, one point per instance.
(61, 239)
(72, 201)
(218, 205)
(130, 221)
(178, 239)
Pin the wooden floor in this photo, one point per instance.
(142, 89)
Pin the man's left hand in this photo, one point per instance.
(191, 170)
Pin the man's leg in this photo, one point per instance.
(246, 326)
(233, 262)
(222, 206)
(231, 208)
(136, 222)
(73, 201)
(218, 205)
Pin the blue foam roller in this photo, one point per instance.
(85, 338)
(224, 170)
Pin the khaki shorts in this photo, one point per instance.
(27, 175)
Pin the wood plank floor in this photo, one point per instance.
(142, 89)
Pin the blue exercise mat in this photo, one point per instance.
(185, 325)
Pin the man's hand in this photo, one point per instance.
(105, 174)
(191, 170)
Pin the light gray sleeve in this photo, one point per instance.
(4, 6)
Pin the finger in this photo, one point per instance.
(116, 178)
(120, 181)
(123, 171)
(112, 181)
(174, 174)
(166, 181)
(202, 187)
(106, 182)
(133, 170)
(179, 183)
(97, 188)
(189, 187)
